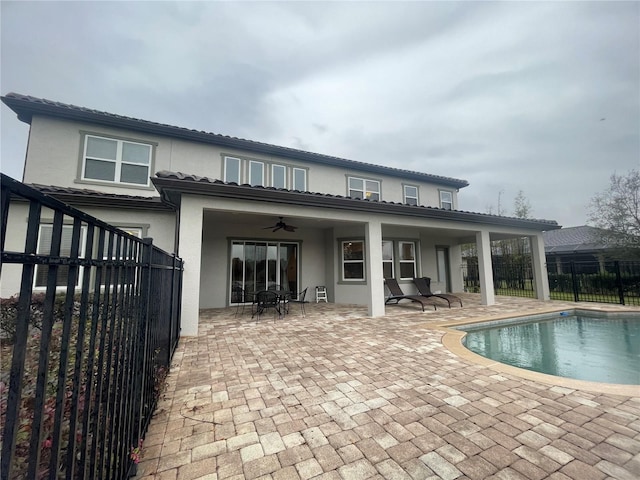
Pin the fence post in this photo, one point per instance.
(619, 282)
(574, 283)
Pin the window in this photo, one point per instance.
(45, 238)
(232, 170)
(410, 195)
(300, 179)
(387, 259)
(256, 173)
(407, 260)
(362, 188)
(279, 176)
(117, 161)
(353, 260)
(446, 200)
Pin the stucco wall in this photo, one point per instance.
(55, 152)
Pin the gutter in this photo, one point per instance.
(220, 189)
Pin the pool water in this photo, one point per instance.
(577, 346)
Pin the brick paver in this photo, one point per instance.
(339, 396)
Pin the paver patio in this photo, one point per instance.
(338, 395)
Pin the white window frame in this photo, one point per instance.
(227, 162)
(446, 204)
(408, 196)
(252, 181)
(364, 190)
(41, 250)
(402, 261)
(388, 261)
(357, 261)
(118, 161)
(275, 167)
(294, 182)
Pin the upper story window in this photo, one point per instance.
(353, 260)
(410, 194)
(363, 188)
(278, 176)
(299, 179)
(266, 174)
(232, 170)
(256, 173)
(116, 161)
(446, 200)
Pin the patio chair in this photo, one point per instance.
(266, 299)
(397, 294)
(424, 287)
(299, 299)
(242, 297)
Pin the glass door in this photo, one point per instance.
(259, 266)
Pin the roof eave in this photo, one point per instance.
(171, 186)
(26, 109)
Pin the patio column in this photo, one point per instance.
(191, 253)
(539, 260)
(373, 262)
(483, 243)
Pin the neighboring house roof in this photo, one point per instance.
(580, 239)
(26, 106)
(172, 184)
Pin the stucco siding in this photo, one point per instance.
(54, 157)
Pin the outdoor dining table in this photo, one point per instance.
(281, 300)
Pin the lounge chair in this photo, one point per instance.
(424, 287)
(397, 294)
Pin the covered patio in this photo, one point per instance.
(337, 394)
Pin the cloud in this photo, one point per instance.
(508, 96)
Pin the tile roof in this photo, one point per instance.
(81, 196)
(26, 106)
(418, 210)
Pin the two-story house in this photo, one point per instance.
(216, 201)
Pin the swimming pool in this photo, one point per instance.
(577, 344)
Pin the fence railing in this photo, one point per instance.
(86, 343)
(605, 282)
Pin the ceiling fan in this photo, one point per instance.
(281, 225)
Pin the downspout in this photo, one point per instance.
(176, 232)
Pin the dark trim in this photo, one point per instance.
(25, 107)
(173, 187)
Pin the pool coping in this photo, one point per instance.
(452, 341)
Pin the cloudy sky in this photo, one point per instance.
(539, 97)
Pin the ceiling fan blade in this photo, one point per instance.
(277, 228)
(290, 228)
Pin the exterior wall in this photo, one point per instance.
(158, 225)
(54, 157)
(214, 270)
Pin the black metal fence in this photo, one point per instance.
(608, 282)
(86, 343)
(605, 282)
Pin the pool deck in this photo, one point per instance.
(338, 395)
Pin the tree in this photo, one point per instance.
(522, 207)
(617, 212)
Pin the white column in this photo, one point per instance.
(373, 262)
(483, 243)
(539, 261)
(190, 251)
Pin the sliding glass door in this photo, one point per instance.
(259, 266)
